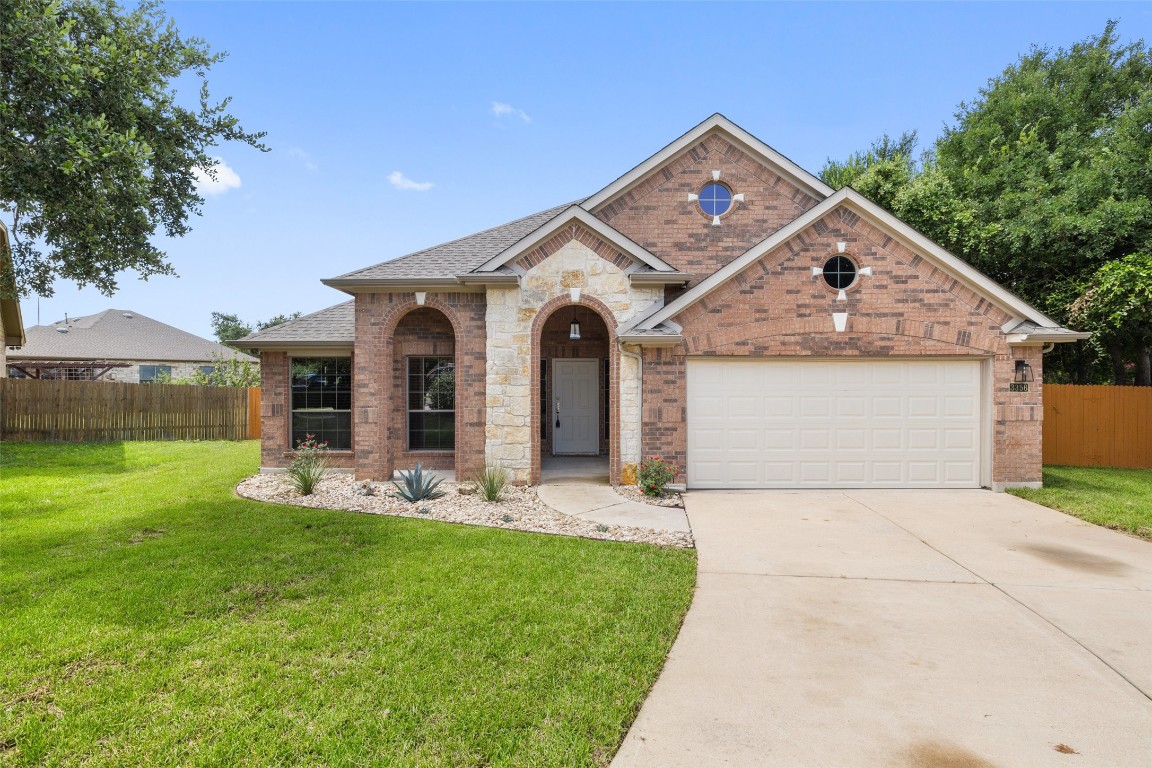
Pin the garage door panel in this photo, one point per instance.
(879, 423)
(851, 439)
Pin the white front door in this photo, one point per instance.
(575, 406)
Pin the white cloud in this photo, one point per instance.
(303, 157)
(500, 109)
(226, 179)
(400, 181)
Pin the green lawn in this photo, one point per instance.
(1114, 498)
(150, 617)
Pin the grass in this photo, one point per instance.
(150, 617)
(1120, 499)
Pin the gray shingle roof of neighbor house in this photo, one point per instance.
(456, 257)
(332, 326)
(118, 334)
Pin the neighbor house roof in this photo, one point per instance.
(333, 326)
(10, 318)
(118, 334)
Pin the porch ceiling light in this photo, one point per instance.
(574, 328)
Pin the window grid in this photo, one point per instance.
(715, 199)
(431, 404)
(322, 401)
(839, 272)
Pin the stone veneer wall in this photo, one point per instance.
(907, 308)
(574, 259)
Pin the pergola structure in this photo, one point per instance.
(72, 370)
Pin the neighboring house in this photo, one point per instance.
(11, 324)
(716, 305)
(115, 345)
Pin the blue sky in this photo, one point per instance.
(396, 126)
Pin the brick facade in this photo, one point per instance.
(774, 307)
(379, 409)
(657, 214)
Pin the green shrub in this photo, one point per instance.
(309, 465)
(417, 485)
(490, 481)
(654, 474)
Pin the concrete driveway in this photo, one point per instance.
(904, 628)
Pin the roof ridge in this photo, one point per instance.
(553, 210)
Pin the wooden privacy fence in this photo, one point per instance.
(95, 411)
(1090, 426)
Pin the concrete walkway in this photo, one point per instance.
(578, 486)
(902, 629)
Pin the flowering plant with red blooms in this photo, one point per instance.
(654, 474)
(309, 443)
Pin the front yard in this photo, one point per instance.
(1114, 498)
(149, 616)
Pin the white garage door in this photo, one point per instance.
(833, 424)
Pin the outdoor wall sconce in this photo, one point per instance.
(1023, 372)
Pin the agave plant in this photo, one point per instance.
(417, 485)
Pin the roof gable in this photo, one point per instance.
(575, 215)
(886, 222)
(734, 133)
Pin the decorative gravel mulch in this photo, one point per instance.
(633, 493)
(518, 509)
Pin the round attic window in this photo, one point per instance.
(839, 272)
(715, 199)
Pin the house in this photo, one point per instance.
(716, 305)
(115, 345)
(11, 323)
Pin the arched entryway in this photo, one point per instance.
(575, 367)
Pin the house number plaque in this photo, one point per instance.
(1016, 386)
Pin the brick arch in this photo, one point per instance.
(393, 318)
(913, 336)
(609, 319)
(376, 323)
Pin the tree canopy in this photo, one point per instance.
(231, 327)
(1045, 179)
(96, 153)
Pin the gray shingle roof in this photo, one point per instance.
(118, 334)
(334, 325)
(456, 257)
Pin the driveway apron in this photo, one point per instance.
(904, 628)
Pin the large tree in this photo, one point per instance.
(96, 152)
(1045, 178)
(1054, 159)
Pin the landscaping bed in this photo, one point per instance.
(518, 508)
(149, 616)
